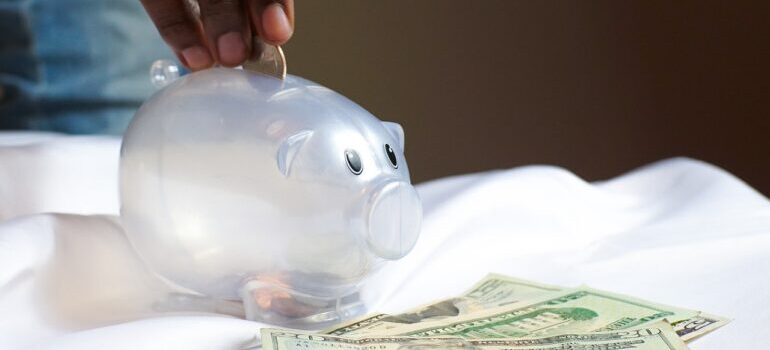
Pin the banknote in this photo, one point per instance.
(578, 310)
(495, 291)
(695, 327)
(498, 290)
(492, 291)
(659, 336)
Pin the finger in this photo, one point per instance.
(180, 31)
(226, 30)
(273, 19)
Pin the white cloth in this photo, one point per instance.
(678, 232)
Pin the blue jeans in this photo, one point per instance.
(75, 66)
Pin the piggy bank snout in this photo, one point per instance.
(393, 220)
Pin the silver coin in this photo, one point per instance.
(266, 59)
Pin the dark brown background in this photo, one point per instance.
(596, 87)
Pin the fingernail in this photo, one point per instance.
(276, 24)
(232, 49)
(197, 57)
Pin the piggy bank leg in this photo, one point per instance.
(276, 303)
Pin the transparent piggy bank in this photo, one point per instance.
(280, 193)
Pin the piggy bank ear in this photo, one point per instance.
(396, 131)
(289, 149)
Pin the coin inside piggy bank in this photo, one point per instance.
(281, 193)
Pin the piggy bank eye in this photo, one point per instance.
(391, 156)
(354, 161)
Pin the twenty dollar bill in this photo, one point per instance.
(656, 337)
(504, 293)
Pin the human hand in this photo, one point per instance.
(222, 32)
